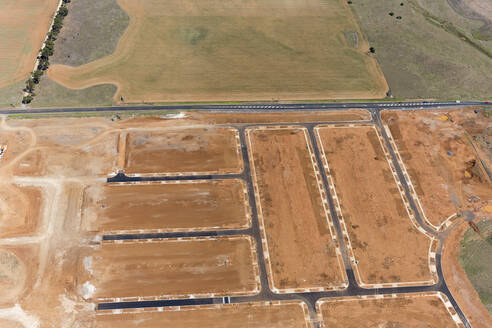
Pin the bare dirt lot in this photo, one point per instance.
(20, 210)
(403, 311)
(276, 315)
(380, 230)
(24, 25)
(209, 50)
(18, 272)
(183, 150)
(443, 167)
(348, 115)
(172, 267)
(301, 249)
(184, 206)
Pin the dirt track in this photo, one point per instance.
(380, 230)
(172, 267)
(302, 251)
(283, 315)
(207, 205)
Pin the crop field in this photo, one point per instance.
(23, 27)
(163, 269)
(204, 150)
(301, 255)
(274, 315)
(211, 50)
(184, 206)
(224, 220)
(427, 310)
(372, 208)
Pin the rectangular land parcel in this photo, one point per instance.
(182, 150)
(210, 50)
(246, 315)
(183, 206)
(380, 230)
(174, 268)
(405, 310)
(302, 252)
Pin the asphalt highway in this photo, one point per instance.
(253, 107)
(265, 293)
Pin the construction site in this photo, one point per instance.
(327, 219)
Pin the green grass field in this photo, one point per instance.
(420, 59)
(212, 50)
(475, 258)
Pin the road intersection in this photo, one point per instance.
(311, 298)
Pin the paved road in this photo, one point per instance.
(265, 293)
(256, 107)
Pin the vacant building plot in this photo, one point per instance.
(98, 158)
(197, 50)
(183, 150)
(280, 117)
(20, 210)
(302, 252)
(441, 163)
(18, 271)
(371, 206)
(405, 310)
(176, 268)
(271, 314)
(160, 207)
(24, 25)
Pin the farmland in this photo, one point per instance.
(210, 51)
(23, 26)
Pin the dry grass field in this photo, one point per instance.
(213, 50)
(23, 27)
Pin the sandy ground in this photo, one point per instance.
(206, 205)
(302, 251)
(171, 267)
(277, 315)
(438, 156)
(348, 115)
(380, 230)
(24, 25)
(192, 150)
(18, 272)
(458, 282)
(423, 311)
(20, 210)
(210, 57)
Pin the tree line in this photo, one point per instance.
(45, 53)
